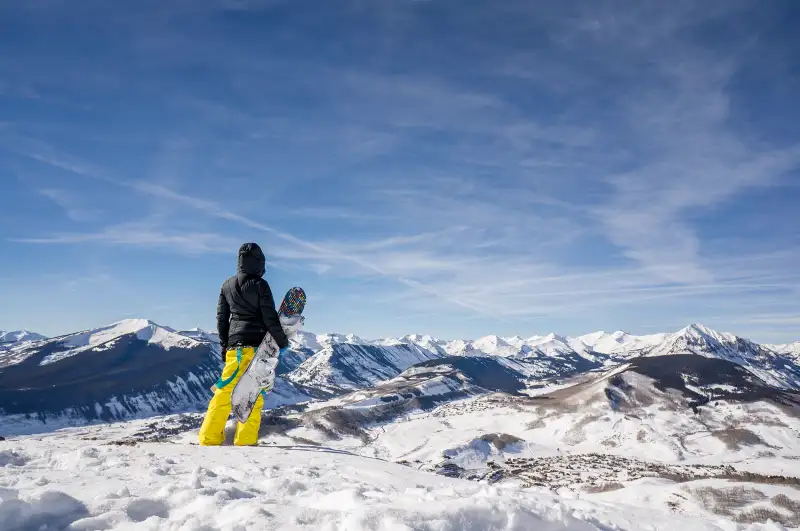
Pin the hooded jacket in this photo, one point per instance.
(246, 309)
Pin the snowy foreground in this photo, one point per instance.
(78, 479)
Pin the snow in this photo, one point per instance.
(597, 347)
(619, 342)
(17, 336)
(656, 426)
(791, 350)
(305, 339)
(476, 453)
(658, 493)
(73, 479)
(199, 333)
(353, 365)
(495, 345)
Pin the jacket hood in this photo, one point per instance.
(251, 260)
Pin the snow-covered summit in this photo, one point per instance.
(105, 337)
(17, 336)
(306, 340)
(143, 329)
(619, 342)
(495, 346)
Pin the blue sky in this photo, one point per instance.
(449, 167)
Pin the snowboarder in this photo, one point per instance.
(245, 313)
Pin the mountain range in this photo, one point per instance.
(136, 367)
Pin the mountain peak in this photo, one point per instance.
(15, 336)
(491, 340)
(700, 331)
(698, 328)
(555, 337)
(134, 324)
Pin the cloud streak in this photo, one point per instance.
(212, 209)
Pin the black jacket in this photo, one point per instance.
(246, 309)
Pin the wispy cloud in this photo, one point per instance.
(143, 236)
(689, 154)
(475, 261)
(212, 209)
(69, 202)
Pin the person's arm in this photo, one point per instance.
(270, 316)
(223, 321)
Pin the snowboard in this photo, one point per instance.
(259, 376)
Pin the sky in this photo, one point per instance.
(449, 167)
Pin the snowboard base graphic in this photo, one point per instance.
(259, 376)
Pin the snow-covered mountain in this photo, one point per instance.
(129, 368)
(791, 350)
(156, 368)
(199, 333)
(620, 342)
(17, 336)
(778, 370)
(347, 362)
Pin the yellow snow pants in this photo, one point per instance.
(212, 432)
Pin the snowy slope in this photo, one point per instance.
(19, 335)
(419, 388)
(352, 364)
(74, 480)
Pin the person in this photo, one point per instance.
(245, 313)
